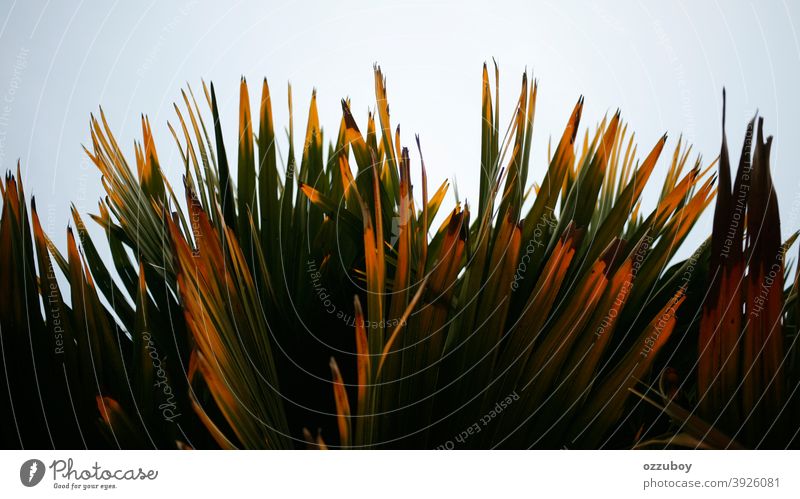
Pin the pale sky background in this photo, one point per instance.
(663, 63)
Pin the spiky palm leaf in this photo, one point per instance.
(527, 326)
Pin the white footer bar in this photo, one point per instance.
(387, 474)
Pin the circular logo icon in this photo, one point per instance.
(31, 472)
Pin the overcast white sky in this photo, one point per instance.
(663, 63)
